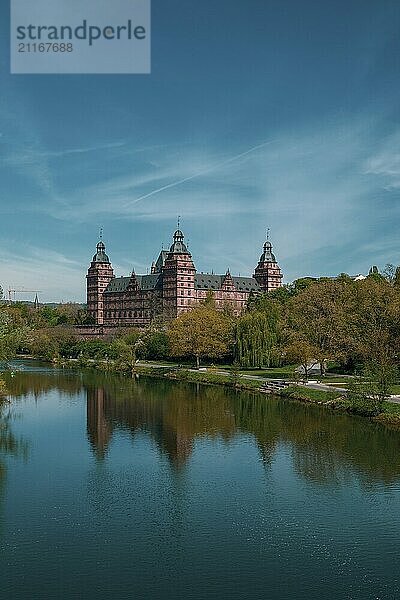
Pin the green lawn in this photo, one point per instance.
(391, 409)
(277, 372)
(308, 393)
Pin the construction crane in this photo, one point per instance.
(12, 293)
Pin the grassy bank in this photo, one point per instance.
(203, 377)
(389, 416)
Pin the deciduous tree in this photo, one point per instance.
(201, 333)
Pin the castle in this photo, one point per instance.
(173, 286)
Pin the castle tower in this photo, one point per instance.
(268, 273)
(98, 277)
(178, 277)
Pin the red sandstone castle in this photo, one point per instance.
(172, 287)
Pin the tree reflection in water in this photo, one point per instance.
(10, 445)
(325, 447)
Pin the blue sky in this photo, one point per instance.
(259, 113)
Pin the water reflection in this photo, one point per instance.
(323, 445)
(10, 446)
(325, 448)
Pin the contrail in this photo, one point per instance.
(212, 168)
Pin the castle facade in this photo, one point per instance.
(172, 287)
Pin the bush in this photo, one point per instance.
(156, 345)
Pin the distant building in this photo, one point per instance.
(173, 286)
(359, 277)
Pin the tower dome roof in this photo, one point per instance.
(178, 246)
(101, 256)
(267, 255)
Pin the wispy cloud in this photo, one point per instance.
(322, 189)
(57, 277)
(385, 162)
(205, 171)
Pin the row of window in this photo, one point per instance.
(127, 314)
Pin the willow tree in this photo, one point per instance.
(258, 342)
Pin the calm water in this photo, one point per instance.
(113, 489)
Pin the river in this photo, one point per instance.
(119, 489)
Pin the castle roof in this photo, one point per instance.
(121, 284)
(204, 281)
(101, 256)
(161, 260)
(178, 246)
(267, 255)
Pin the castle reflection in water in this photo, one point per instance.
(176, 416)
(321, 444)
(104, 415)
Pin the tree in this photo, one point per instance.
(389, 273)
(83, 317)
(11, 335)
(201, 333)
(303, 283)
(371, 389)
(209, 300)
(258, 340)
(375, 315)
(375, 275)
(344, 277)
(124, 355)
(301, 352)
(396, 281)
(317, 318)
(156, 345)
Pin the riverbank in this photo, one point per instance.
(335, 400)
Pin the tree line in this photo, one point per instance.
(355, 324)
